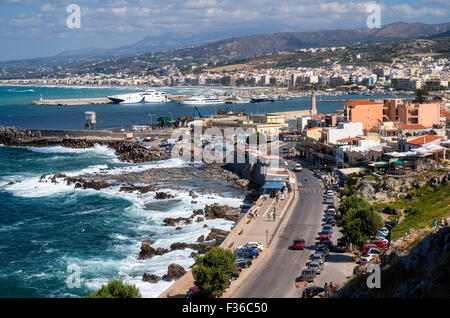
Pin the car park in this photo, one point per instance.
(316, 266)
(312, 291)
(307, 275)
(298, 244)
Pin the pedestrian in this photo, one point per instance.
(446, 222)
(268, 215)
(274, 215)
(442, 222)
(325, 288)
(435, 223)
(331, 287)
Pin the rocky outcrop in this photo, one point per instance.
(176, 221)
(174, 272)
(214, 211)
(141, 190)
(409, 269)
(201, 248)
(151, 278)
(146, 251)
(163, 195)
(217, 235)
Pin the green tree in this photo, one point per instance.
(358, 220)
(420, 93)
(117, 289)
(212, 272)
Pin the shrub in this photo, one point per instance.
(117, 289)
(212, 272)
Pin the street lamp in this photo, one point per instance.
(151, 121)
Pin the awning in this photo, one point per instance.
(273, 185)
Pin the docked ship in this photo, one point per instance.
(202, 100)
(144, 97)
(261, 99)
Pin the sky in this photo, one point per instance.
(33, 28)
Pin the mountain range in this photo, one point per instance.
(158, 51)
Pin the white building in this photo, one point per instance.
(344, 130)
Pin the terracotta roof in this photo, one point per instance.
(349, 139)
(311, 128)
(445, 113)
(411, 126)
(361, 102)
(423, 140)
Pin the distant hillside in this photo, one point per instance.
(127, 59)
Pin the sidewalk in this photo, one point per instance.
(258, 229)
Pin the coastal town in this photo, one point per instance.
(229, 156)
(421, 71)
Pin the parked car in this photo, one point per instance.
(193, 292)
(326, 232)
(367, 247)
(253, 245)
(367, 258)
(324, 237)
(321, 248)
(331, 211)
(380, 244)
(329, 199)
(316, 266)
(318, 257)
(342, 246)
(328, 227)
(328, 244)
(243, 262)
(381, 238)
(373, 250)
(330, 193)
(308, 275)
(298, 244)
(236, 274)
(298, 167)
(312, 291)
(246, 253)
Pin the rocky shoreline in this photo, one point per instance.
(127, 151)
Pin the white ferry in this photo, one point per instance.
(144, 97)
(202, 100)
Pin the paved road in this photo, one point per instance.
(276, 277)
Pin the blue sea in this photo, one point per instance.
(51, 233)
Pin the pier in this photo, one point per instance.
(72, 102)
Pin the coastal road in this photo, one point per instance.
(276, 276)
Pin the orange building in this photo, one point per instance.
(367, 112)
(426, 113)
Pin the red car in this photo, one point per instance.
(324, 237)
(379, 244)
(368, 246)
(298, 244)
